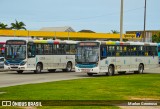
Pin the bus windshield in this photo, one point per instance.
(87, 54)
(15, 52)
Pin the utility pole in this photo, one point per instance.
(144, 31)
(121, 21)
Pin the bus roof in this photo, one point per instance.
(129, 43)
(53, 41)
(47, 41)
(123, 43)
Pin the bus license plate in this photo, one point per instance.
(85, 70)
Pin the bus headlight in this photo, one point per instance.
(6, 63)
(23, 63)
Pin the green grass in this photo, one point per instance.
(120, 87)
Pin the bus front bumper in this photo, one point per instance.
(15, 67)
(94, 70)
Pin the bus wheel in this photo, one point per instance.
(52, 70)
(110, 70)
(140, 68)
(20, 71)
(38, 68)
(68, 67)
(89, 74)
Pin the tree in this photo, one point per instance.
(18, 25)
(3, 26)
(114, 31)
(86, 31)
(156, 38)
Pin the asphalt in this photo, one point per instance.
(11, 78)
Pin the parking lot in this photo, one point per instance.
(11, 78)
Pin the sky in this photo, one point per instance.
(100, 16)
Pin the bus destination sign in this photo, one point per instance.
(15, 43)
(88, 44)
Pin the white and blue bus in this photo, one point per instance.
(110, 57)
(37, 55)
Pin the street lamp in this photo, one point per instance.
(121, 21)
(144, 31)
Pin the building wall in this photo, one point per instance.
(149, 34)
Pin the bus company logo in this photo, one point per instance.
(6, 103)
(42, 58)
(138, 60)
(113, 60)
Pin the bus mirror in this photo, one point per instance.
(29, 54)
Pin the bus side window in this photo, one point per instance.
(103, 52)
(142, 50)
(124, 51)
(146, 53)
(119, 50)
(72, 49)
(111, 51)
(67, 49)
(54, 49)
(31, 50)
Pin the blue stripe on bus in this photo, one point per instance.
(14, 61)
(86, 65)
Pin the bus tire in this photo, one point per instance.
(89, 74)
(20, 71)
(110, 70)
(52, 70)
(140, 69)
(68, 67)
(38, 68)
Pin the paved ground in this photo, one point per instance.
(11, 78)
(155, 70)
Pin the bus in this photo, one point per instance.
(159, 52)
(113, 57)
(38, 55)
(2, 49)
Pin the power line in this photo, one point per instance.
(93, 17)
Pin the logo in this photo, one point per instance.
(129, 36)
(6, 103)
(138, 34)
(21, 103)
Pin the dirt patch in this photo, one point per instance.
(29, 108)
(2, 92)
(136, 98)
(139, 107)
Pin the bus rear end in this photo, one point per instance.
(87, 57)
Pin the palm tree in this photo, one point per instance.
(114, 31)
(18, 25)
(3, 26)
